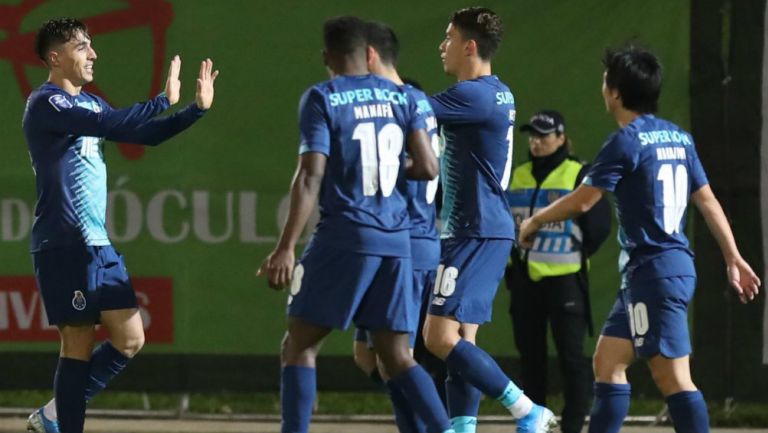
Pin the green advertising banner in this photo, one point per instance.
(196, 216)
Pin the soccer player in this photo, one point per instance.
(651, 166)
(82, 278)
(383, 51)
(476, 116)
(357, 265)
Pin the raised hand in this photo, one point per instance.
(743, 280)
(172, 84)
(205, 80)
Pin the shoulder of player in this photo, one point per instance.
(50, 97)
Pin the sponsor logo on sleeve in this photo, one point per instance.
(60, 102)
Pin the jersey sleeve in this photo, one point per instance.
(461, 104)
(314, 123)
(617, 158)
(418, 117)
(698, 176)
(136, 124)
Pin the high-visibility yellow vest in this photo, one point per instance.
(557, 247)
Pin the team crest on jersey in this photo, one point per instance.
(78, 301)
(552, 196)
(60, 102)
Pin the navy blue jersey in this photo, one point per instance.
(652, 167)
(425, 243)
(65, 135)
(477, 119)
(360, 124)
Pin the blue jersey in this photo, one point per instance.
(360, 124)
(425, 244)
(65, 135)
(652, 167)
(477, 119)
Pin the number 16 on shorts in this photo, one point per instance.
(445, 283)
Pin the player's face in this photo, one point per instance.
(451, 50)
(544, 144)
(75, 59)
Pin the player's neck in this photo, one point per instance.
(65, 84)
(391, 75)
(352, 65)
(472, 69)
(624, 117)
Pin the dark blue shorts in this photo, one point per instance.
(77, 283)
(654, 315)
(332, 288)
(467, 279)
(422, 284)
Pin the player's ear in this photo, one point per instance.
(471, 47)
(370, 55)
(53, 58)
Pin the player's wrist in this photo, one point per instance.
(536, 221)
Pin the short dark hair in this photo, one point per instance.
(481, 25)
(637, 74)
(384, 40)
(57, 31)
(345, 35)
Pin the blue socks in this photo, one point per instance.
(463, 403)
(478, 368)
(297, 395)
(419, 390)
(405, 418)
(106, 363)
(69, 389)
(610, 407)
(688, 412)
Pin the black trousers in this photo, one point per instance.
(561, 303)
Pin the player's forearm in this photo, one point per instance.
(718, 224)
(157, 130)
(304, 191)
(565, 208)
(142, 111)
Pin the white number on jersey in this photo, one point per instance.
(445, 282)
(432, 184)
(508, 164)
(380, 156)
(674, 195)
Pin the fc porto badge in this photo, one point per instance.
(78, 301)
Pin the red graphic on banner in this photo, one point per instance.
(22, 314)
(19, 47)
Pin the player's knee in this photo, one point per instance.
(396, 363)
(439, 344)
(670, 383)
(606, 370)
(365, 359)
(131, 345)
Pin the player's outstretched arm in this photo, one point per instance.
(305, 187)
(740, 275)
(421, 163)
(566, 207)
(205, 79)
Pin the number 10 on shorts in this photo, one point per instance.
(638, 319)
